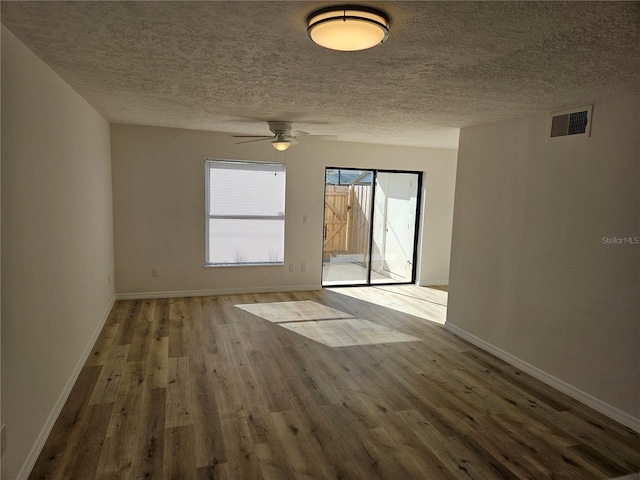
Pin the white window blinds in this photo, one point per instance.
(244, 212)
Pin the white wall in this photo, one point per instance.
(57, 244)
(159, 208)
(530, 275)
(0, 249)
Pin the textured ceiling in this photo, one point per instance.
(231, 66)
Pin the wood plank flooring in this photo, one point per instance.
(225, 388)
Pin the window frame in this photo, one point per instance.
(209, 216)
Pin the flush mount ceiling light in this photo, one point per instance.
(348, 27)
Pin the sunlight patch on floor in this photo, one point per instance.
(301, 311)
(325, 325)
(348, 332)
(422, 302)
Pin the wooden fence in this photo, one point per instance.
(346, 221)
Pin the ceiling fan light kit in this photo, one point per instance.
(280, 143)
(348, 28)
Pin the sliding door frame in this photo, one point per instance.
(416, 231)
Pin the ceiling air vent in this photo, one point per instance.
(571, 122)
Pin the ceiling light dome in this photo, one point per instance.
(348, 28)
(280, 143)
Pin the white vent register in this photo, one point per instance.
(576, 121)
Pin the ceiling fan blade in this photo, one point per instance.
(319, 137)
(297, 133)
(252, 136)
(256, 140)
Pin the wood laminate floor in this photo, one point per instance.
(323, 385)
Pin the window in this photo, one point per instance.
(244, 213)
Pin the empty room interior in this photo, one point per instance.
(302, 239)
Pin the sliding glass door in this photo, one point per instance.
(347, 215)
(394, 227)
(370, 226)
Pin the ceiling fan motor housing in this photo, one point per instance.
(278, 127)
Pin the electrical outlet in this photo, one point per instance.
(292, 267)
(304, 266)
(3, 440)
(156, 271)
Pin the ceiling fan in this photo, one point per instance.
(283, 137)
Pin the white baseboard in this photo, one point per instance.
(222, 291)
(583, 397)
(53, 416)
